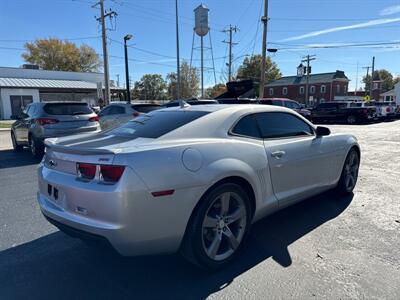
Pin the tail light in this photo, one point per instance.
(387, 109)
(94, 119)
(110, 173)
(46, 121)
(86, 171)
(136, 114)
(365, 111)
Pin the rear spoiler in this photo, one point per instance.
(76, 150)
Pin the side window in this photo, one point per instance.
(105, 112)
(282, 125)
(247, 126)
(277, 102)
(117, 110)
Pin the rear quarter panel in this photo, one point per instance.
(163, 169)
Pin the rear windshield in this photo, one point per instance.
(145, 108)
(156, 123)
(67, 109)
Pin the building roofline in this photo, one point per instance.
(41, 70)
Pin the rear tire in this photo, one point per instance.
(218, 227)
(349, 176)
(37, 149)
(16, 147)
(351, 120)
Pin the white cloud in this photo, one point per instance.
(391, 10)
(342, 28)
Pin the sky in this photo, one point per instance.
(328, 29)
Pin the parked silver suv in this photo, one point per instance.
(43, 120)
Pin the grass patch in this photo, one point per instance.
(5, 125)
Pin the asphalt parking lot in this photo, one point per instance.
(325, 247)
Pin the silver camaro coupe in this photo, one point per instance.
(190, 178)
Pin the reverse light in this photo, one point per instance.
(46, 121)
(94, 119)
(86, 171)
(110, 173)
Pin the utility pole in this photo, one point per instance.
(307, 59)
(231, 43)
(101, 19)
(355, 91)
(371, 87)
(264, 19)
(128, 91)
(117, 80)
(178, 67)
(366, 78)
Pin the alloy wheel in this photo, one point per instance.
(32, 146)
(351, 170)
(224, 226)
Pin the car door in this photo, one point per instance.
(298, 160)
(116, 116)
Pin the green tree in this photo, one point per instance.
(150, 87)
(251, 69)
(384, 75)
(189, 82)
(57, 55)
(215, 90)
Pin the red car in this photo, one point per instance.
(296, 106)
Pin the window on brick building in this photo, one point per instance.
(301, 90)
(312, 89)
(323, 89)
(338, 88)
(271, 91)
(285, 91)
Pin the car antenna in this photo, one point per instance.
(183, 104)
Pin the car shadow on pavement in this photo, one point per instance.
(11, 159)
(59, 267)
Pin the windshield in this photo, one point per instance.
(156, 123)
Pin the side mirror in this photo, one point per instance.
(322, 131)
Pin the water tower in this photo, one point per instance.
(201, 29)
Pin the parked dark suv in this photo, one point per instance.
(296, 106)
(41, 120)
(344, 111)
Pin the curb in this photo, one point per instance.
(5, 129)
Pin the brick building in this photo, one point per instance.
(322, 87)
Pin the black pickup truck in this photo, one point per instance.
(343, 112)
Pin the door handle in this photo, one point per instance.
(278, 154)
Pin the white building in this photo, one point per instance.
(21, 86)
(397, 93)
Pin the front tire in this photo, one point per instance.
(349, 176)
(16, 147)
(218, 227)
(351, 120)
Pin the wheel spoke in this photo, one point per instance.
(210, 222)
(225, 199)
(214, 247)
(235, 216)
(233, 242)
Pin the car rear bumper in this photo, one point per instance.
(125, 215)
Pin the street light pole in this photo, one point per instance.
(264, 19)
(178, 67)
(128, 92)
